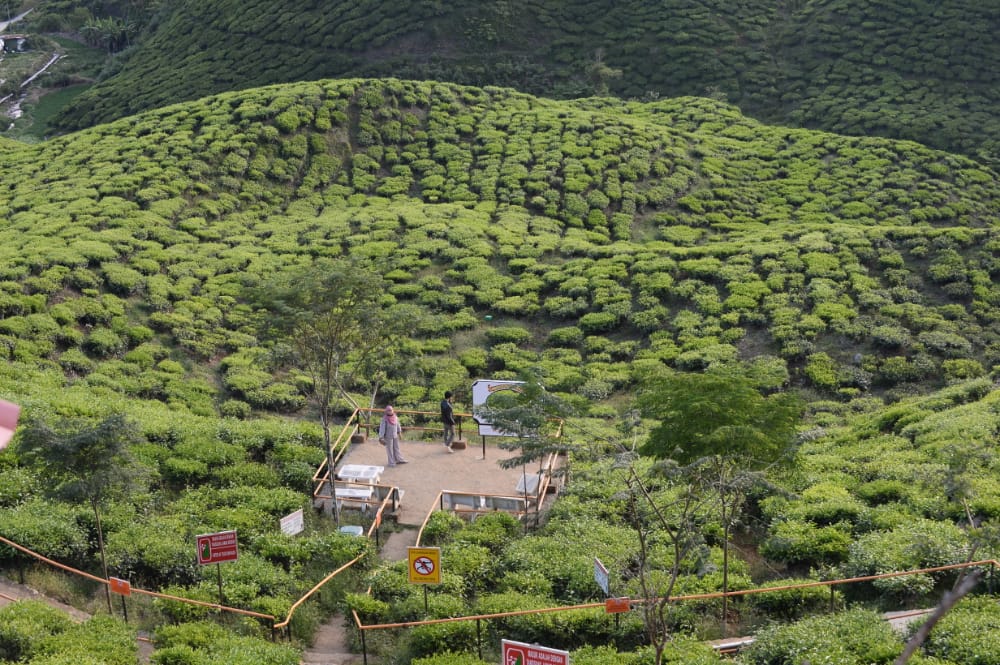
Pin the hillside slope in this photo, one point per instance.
(600, 237)
(925, 71)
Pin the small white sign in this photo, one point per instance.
(292, 524)
(601, 576)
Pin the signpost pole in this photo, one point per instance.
(218, 568)
(124, 609)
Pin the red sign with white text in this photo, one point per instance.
(217, 547)
(518, 653)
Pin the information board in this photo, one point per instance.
(519, 653)
(217, 547)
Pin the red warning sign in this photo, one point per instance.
(518, 653)
(217, 547)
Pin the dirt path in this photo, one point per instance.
(11, 592)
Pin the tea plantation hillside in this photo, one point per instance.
(589, 242)
(599, 236)
(925, 71)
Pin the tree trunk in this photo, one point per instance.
(324, 417)
(104, 557)
(725, 556)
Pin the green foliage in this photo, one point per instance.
(458, 636)
(101, 639)
(912, 545)
(512, 334)
(793, 604)
(803, 543)
(632, 238)
(969, 633)
(717, 413)
(855, 636)
(196, 643)
(25, 625)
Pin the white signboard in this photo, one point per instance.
(601, 576)
(482, 390)
(292, 524)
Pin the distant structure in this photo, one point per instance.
(13, 43)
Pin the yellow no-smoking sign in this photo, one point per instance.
(425, 565)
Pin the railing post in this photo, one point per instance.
(364, 648)
(479, 638)
(832, 598)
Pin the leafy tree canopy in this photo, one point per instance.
(718, 413)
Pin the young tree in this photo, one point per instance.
(719, 424)
(666, 512)
(327, 320)
(533, 420)
(665, 506)
(89, 462)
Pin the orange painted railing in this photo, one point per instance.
(679, 599)
(100, 580)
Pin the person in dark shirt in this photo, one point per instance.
(448, 420)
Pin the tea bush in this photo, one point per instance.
(969, 633)
(793, 604)
(913, 545)
(194, 643)
(802, 543)
(855, 636)
(26, 625)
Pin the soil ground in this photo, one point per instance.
(431, 469)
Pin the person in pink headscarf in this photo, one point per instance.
(390, 432)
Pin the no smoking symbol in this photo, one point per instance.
(423, 565)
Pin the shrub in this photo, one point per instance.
(234, 408)
(104, 342)
(16, 486)
(856, 636)
(961, 369)
(514, 334)
(821, 370)
(492, 530)
(102, 639)
(792, 604)
(969, 633)
(567, 337)
(598, 322)
(23, 627)
(49, 528)
(76, 361)
(201, 642)
(435, 638)
(883, 490)
(915, 544)
(803, 543)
